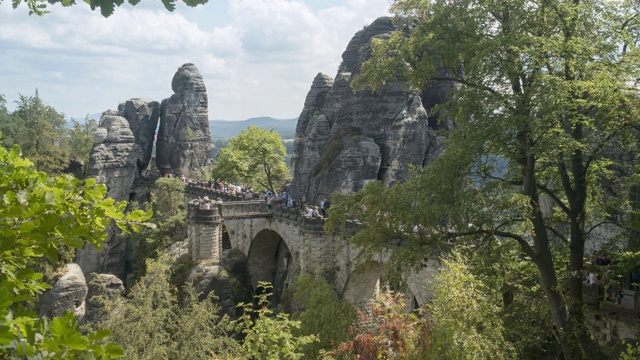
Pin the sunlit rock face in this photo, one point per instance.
(113, 162)
(67, 294)
(143, 116)
(345, 139)
(184, 141)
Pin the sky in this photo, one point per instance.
(257, 57)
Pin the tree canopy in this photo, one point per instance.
(40, 131)
(81, 140)
(255, 157)
(546, 114)
(40, 7)
(39, 215)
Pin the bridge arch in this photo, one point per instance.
(270, 260)
(363, 283)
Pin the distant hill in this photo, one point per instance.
(224, 129)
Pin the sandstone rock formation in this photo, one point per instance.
(143, 116)
(75, 167)
(101, 285)
(114, 156)
(67, 294)
(346, 139)
(208, 278)
(113, 162)
(184, 141)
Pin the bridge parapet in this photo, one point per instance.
(236, 209)
(310, 223)
(196, 191)
(204, 216)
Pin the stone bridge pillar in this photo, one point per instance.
(205, 232)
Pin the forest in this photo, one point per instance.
(542, 157)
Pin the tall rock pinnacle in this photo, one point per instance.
(184, 142)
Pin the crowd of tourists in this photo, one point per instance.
(248, 193)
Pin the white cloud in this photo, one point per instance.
(259, 61)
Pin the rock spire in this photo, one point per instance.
(184, 141)
(344, 139)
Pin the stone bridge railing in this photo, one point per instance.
(308, 223)
(252, 208)
(235, 206)
(195, 190)
(200, 215)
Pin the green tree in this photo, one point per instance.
(270, 335)
(545, 108)
(465, 314)
(255, 157)
(39, 7)
(168, 198)
(169, 222)
(11, 126)
(164, 328)
(323, 314)
(44, 140)
(38, 215)
(81, 140)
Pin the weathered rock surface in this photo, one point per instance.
(214, 278)
(184, 141)
(346, 139)
(75, 167)
(114, 157)
(107, 285)
(113, 162)
(143, 116)
(68, 294)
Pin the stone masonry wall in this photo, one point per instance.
(205, 233)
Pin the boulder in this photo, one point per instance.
(208, 278)
(391, 128)
(68, 294)
(234, 261)
(143, 116)
(184, 142)
(102, 285)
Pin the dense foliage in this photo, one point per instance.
(41, 132)
(323, 313)
(42, 136)
(151, 324)
(385, 330)
(255, 157)
(545, 112)
(40, 214)
(39, 7)
(169, 220)
(81, 140)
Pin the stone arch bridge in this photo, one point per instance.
(283, 242)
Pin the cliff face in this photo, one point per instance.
(122, 150)
(143, 116)
(113, 162)
(345, 139)
(184, 141)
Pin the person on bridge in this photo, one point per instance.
(269, 201)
